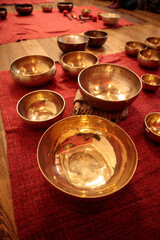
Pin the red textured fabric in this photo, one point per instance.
(43, 212)
(24, 1)
(44, 25)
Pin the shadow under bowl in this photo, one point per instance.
(3, 13)
(149, 58)
(24, 9)
(132, 48)
(153, 43)
(110, 18)
(152, 126)
(150, 82)
(96, 38)
(65, 6)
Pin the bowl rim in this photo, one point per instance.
(118, 101)
(143, 44)
(110, 15)
(145, 121)
(79, 35)
(151, 50)
(148, 38)
(40, 90)
(147, 74)
(92, 37)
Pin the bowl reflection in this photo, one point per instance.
(152, 126)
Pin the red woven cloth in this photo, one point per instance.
(43, 212)
(44, 25)
(24, 1)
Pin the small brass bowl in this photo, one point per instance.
(110, 18)
(132, 48)
(47, 8)
(109, 87)
(149, 58)
(24, 9)
(87, 156)
(85, 12)
(152, 126)
(33, 70)
(65, 6)
(96, 38)
(72, 42)
(150, 82)
(41, 108)
(3, 13)
(153, 42)
(74, 62)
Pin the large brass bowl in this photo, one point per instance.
(153, 42)
(74, 62)
(72, 42)
(109, 87)
(33, 70)
(152, 126)
(110, 18)
(87, 156)
(149, 58)
(150, 82)
(132, 48)
(96, 38)
(41, 108)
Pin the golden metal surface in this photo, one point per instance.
(87, 156)
(24, 9)
(109, 87)
(132, 48)
(110, 18)
(153, 42)
(152, 126)
(96, 38)
(41, 108)
(74, 62)
(149, 58)
(32, 70)
(72, 42)
(150, 82)
(65, 6)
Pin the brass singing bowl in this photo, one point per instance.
(109, 87)
(65, 6)
(110, 18)
(85, 12)
(41, 108)
(74, 62)
(72, 42)
(152, 126)
(132, 48)
(96, 38)
(153, 42)
(87, 156)
(24, 9)
(149, 58)
(3, 13)
(47, 8)
(150, 82)
(33, 70)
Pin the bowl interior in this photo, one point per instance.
(152, 122)
(151, 79)
(136, 45)
(87, 156)
(72, 39)
(151, 55)
(96, 34)
(153, 40)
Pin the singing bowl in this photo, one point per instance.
(47, 8)
(72, 42)
(74, 62)
(3, 13)
(110, 18)
(65, 6)
(100, 15)
(152, 126)
(85, 12)
(132, 48)
(96, 38)
(150, 82)
(87, 156)
(24, 9)
(149, 58)
(109, 87)
(153, 42)
(32, 70)
(41, 108)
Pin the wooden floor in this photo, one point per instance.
(146, 25)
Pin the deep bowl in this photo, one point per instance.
(72, 42)
(110, 18)
(149, 58)
(65, 6)
(74, 62)
(24, 9)
(132, 48)
(41, 108)
(32, 70)
(152, 126)
(87, 156)
(3, 13)
(96, 38)
(85, 12)
(47, 8)
(153, 42)
(109, 87)
(150, 82)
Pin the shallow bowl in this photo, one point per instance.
(24, 9)
(110, 18)
(150, 82)
(149, 58)
(65, 6)
(85, 12)
(41, 108)
(153, 42)
(72, 42)
(152, 126)
(109, 87)
(132, 48)
(74, 62)
(47, 8)
(32, 70)
(96, 38)
(87, 156)
(3, 13)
